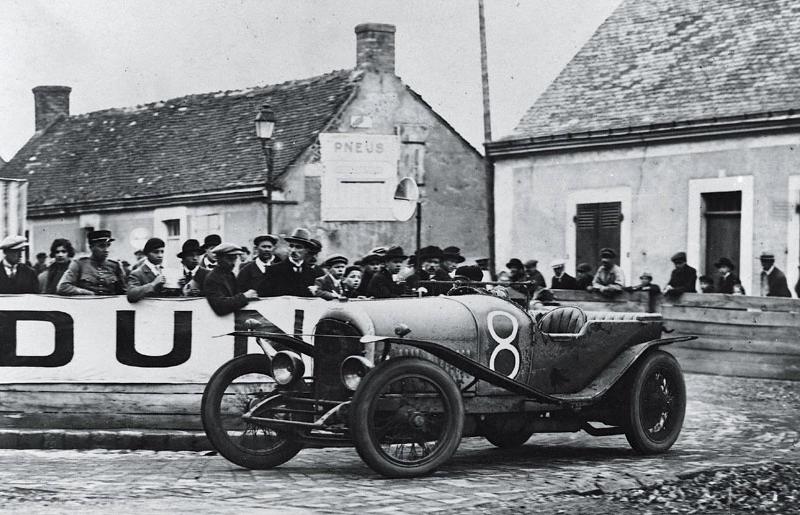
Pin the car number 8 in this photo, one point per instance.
(504, 343)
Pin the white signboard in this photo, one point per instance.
(359, 177)
(46, 339)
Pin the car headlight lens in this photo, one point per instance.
(353, 370)
(287, 367)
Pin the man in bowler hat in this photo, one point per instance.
(451, 258)
(193, 275)
(429, 259)
(96, 274)
(382, 284)
(16, 276)
(683, 277)
(220, 284)
(210, 242)
(773, 280)
(295, 276)
(727, 279)
(148, 280)
(251, 274)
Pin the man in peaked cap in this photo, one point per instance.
(583, 276)
(329, 286)
(609, 279)
(16, 276)
(773, 280)
(561, 279)
(252, 273)
(451, 258)
(96, 274)
(727, 279)
(210, 242)
(382, 285)
(371, 264)
(148, 280)
(533, 275)
(683, 278)
(193, 275)
(295, 276)
(220, 284)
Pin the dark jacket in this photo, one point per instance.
(725, 284)
(566, 282)
(536, 278)
(220, 290)
(48, 280)
(24, 280)
(683, 280)
(363, 288)
(199, 279)
(776, 282)
(281, 279)
(433, 289)
(327, 289)
(251, 278)
(85, 276)
(583, 282)
(382, 286)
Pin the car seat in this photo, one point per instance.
(563, 320)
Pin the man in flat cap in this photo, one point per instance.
(16, 276)
(609, 279)
(251, 274)
(295, 276)
(727, 279)
(583, 276)
(95, 274)
(371, 264)
(773, 280)
(645, 284)
(148, 280)
(683, 277)
(561, 279)
(516, 274)
(533, 275)
(193, 275)
(329, 286)
(220, 284)
(382, 285)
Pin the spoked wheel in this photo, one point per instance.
(231, 392)
(406, 418)
(656, 403)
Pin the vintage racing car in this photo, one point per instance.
(403, 380)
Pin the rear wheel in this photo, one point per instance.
(231, 392)
(656, 403)
(407, 418)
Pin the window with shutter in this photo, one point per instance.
(597, 226)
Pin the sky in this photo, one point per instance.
(116, 53)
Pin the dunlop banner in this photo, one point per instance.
(47, 339)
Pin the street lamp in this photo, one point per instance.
(265, 126)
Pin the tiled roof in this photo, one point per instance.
(666, 61)
(196, 143)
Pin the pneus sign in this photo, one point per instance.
(106, 339)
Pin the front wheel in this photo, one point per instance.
(656, 403)
(407, 418)
(231, 392)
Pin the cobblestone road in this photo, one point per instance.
(729, 421)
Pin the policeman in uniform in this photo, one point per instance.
(96, 274)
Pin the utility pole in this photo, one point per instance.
(487, 137)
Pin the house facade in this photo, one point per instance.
(673, 129)
(192, 166)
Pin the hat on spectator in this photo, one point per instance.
(482, 261)
(101, 235)
(394, 252)
(429, 252)
(378, 250)
(470, 272)
(350, 269)
(556, 263)
(647, 275)
(265, 237)
(211, 241)
(225, 248)
(723, 261)
(335, 259)
(584, 267)
(607, 253)
(531, 263)
(767, 256)
(302, 236)
(316, 246)
(153, 244)
(453, 254)
(678, 257)
(190, 246)
(15, 242)
(514, 263)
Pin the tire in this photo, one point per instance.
(509, 439)
(246, 445)
(656, 403)
(393, 425)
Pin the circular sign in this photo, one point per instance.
(406, 196)
(138, 237)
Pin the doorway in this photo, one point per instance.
(722, 213)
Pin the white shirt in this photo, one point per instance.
(296, 265)
(262, 265)
(10, 269)
(156, 269)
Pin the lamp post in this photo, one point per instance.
(265, 126)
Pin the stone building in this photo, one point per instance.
(191, 166)
(675, 127)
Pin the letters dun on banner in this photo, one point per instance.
(108, 340)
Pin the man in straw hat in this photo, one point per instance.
(561, 279)
(96, 274)
(15, 276)
(220, 284)
(295, 276)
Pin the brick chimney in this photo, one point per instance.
(375, 47)
(50, 102)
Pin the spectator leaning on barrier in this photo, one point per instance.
(15, 276)
(96, 274)
(350, 281)
(371, 264)
(727, 279)
(583, 276)
(683, 277)
(706, 284)
(561, 279)
(329, 286)
(148, 280)
(382, 285)
(773, 280)
(252, 274)
(609, 278)
(295, 276)
(220, 284)
(194, 275)
(645, 284)
(62, 252)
